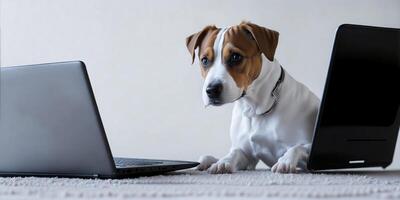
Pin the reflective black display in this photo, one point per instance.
(359, 117)
(364, 80)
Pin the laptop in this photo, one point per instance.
(359, 116)
(50, 126)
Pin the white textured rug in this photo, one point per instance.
(258, 184)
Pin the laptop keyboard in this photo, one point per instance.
(132, 162)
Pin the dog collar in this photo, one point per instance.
(275, 91)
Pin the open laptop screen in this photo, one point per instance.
(359, 118)
(365, 78)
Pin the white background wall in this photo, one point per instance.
(148, 94)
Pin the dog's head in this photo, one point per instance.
(231, 59)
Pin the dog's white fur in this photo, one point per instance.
(281, 138)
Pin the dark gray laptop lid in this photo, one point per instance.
(49, 122)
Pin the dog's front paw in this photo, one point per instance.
(284, 166)
(206, 162)
(221, 167)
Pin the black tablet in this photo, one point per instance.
(359, 116)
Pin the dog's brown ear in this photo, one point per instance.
(194, 40)
(266, 39)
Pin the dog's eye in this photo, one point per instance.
(205, 61)
(234, 59)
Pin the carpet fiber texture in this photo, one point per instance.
(259, 184)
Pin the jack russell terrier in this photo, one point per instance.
(273, 116)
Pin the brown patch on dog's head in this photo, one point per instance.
(243, 45)
(266, 39)
(204, 40)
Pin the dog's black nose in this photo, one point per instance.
(214, 90)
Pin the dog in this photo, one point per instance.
(273, 116)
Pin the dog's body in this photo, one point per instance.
(273, 116)
(280, 138)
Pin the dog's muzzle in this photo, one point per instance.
(214, 91)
